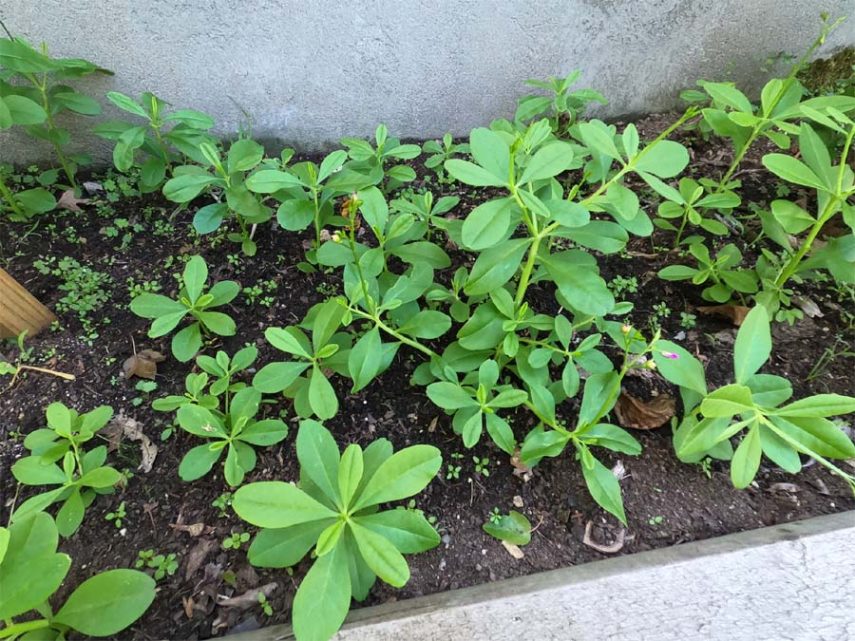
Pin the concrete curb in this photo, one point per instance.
(793, 582)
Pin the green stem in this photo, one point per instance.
(51, 123)
(9, 197)
(525, 277)
(17, 629)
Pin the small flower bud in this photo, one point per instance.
(650, 365)
(626, 329)
(336, 238)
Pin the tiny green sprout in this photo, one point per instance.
(482, 466)
(495, 516)
(656, 520)
(162, 564)
(452, 472)
(706, 467)
(265, 604)
(223, 502)
(235, 540)
(688, 320)
(118, 516)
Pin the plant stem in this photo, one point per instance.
(9, 197)
(525, 277)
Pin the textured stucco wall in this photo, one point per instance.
(309, 72)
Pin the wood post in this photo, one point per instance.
(19, 310)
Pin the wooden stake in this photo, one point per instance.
(19, 310)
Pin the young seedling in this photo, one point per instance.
(80, 477)
(163, 564)
(335, 510)
(235, 540)
(117, 517)
(192, 300)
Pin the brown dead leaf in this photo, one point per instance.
(644, 415)
(124, 426)
(143, 364)
(521, 470)
(197, 555)
(513, 550)
(70, 202)
(612, 548)
(193, 530)
(736, 313)
(249, 598)
(187, 602)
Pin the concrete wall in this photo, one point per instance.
(311, 71)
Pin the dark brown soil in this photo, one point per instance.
(666, 502)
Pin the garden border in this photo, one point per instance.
(791, 581)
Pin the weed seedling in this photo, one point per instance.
(118, 516)
(235, 540)
(163, 564)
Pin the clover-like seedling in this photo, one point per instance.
(81, 475)
(192, 300)
(335, 510)
(31, 571)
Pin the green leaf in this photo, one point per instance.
(495, 266)
(184, 188)
(365, 359)
(195, 276)
(596, 135)
(323, 598)
(31, 470)
(286, 339)
(381, 556)
(107, 603)
(319, 458)
(746, 459)
(20, 111)
(792, 170)
(187, 343)
(284, 547)
(322, 398)
(727, 401)
(243, 155)
(403, 474)
(275, 377)
(819, 405)
(550, 160)
(488, 224)
(101, 477)
(408, 530)
(513, 527)
(779, 451)
(728, 95)
(126, 103)
(818, 435)
(31, 570)
(274, 504)
(450, 396)
(753, 344)
(374, 208)
(198, 462)
(815, 154)
(491, 152)
(268, 181)
(612, 438)
(471, 174)
(350, 472)
(155, 305)
(685, 370)
(665, 159)
(603, 485)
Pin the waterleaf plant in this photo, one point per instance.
(335, 510)
(194, 301)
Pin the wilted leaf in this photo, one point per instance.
(124, 426)
(193, 530)
(70, 202)
(610, 548)
(521, 470)
(808, 306)
(644, 415)
(736, 313)
(249, 598)
(143, 364)
(513, 550)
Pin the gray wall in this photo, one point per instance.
(311, 71)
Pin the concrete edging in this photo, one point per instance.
(793, 582)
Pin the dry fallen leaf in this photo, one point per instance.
(249, 598)
(513, 550)
(644, 415)
(125, 426)
(611, 548)
(521, 470)
(143, 364)
(193, 530)
(736, 313)
(197, 555)
(808, 306)
(70, 202)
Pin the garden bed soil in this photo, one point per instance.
(666, 502)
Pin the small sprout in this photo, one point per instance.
(235, 540)
(223, 502)
(162, 564)
(482, 466)
(656, 520)
(118, 516)
(495, 516)
(265, 604)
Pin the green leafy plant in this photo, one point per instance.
(754, 406)
(223, 503)
(371, 159)
(166, 137)
(721, 271)
(31, 571)
(562, 106)
(689, 203)
(118, 516)
(227, 179)
(192, 300)
(82, 474)
(163, 564)
(441, 150)
(235, 540)
(33, 93)
(235, 430)
(335, 510)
